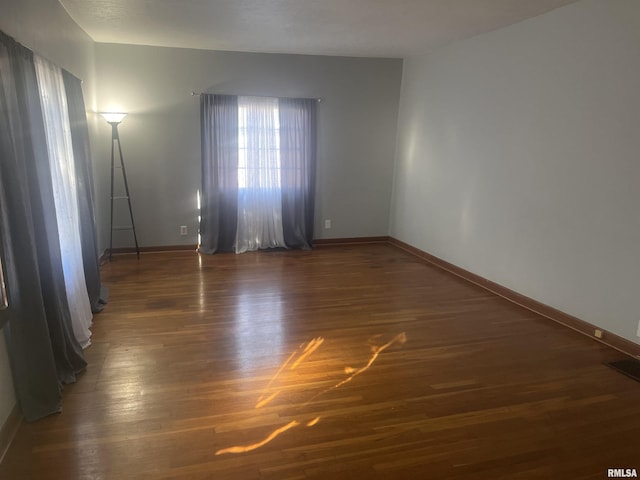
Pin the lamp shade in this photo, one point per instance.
(113, 117)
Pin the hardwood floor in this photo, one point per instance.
(345, 362)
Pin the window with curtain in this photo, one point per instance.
(258, 173)
(65, 196)
(47, 230)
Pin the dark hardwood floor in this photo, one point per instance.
(351, 362)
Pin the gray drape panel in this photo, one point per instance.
(84, 185)
(219, 205)
(42, 349)
(297, 169)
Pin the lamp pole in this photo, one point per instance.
(114, 119)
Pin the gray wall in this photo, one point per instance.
(518, 159)
(161, 136)
(45, 27)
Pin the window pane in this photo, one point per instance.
(258, 143)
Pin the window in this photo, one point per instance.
(258, 143)
(258, 167)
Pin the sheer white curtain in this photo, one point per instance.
(259, 187)
(61, 163)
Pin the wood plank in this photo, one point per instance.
(291, 356)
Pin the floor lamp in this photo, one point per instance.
(114, 120)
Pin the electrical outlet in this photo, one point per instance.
(183, 230)
(598, 333)
(327, 224)
(638, 332)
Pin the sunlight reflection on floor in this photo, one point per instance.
(303, 353)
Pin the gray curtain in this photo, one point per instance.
(219, 205)
(43, 351)
(84, 185)
(219, 136)
(297, 169)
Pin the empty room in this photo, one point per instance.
(297, 239)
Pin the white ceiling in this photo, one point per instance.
(368, 28)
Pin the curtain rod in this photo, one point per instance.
(197, 94)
